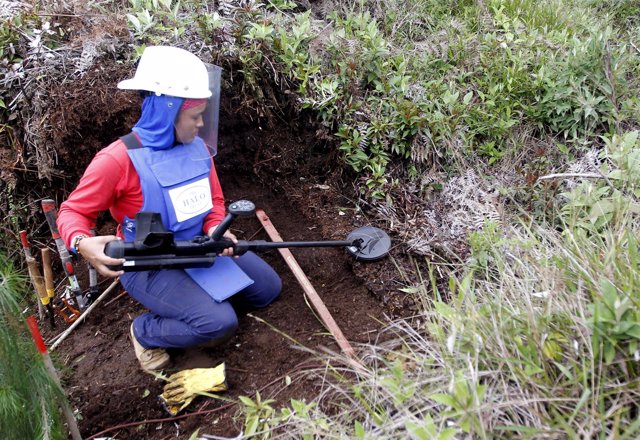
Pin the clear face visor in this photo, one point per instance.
(209, 131)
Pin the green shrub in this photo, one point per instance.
(477, 77)
(581, 90)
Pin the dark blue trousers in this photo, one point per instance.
(181, 314)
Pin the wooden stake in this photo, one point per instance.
(311, 293)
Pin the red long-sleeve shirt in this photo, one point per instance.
(111, 182)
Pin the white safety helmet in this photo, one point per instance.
(166, 70)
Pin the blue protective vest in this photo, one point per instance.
(175, 183)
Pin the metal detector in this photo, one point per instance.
(154, 248)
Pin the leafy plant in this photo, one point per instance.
(428, 430)
(298, 411)
(580, 91)
(615, 320)
(151, 19)
(258, 414)
(463, 402)
(282, 5)
(484, 244)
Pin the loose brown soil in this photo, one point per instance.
(285, 173)
(108, 388)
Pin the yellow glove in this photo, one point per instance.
(184, 386)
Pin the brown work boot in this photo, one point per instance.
(151, 359)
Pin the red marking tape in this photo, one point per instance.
(35, 334)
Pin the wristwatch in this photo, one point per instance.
(75, 242)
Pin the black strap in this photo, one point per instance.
(131, 141)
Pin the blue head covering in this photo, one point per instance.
(156, 126)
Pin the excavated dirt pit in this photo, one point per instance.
(108, 388)
(114, 398)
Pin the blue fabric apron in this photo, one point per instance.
(175, 183)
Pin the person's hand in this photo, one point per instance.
(92, 250)
(229, 236)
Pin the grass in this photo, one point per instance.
(29, 397)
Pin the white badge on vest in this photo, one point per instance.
(191, 200)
